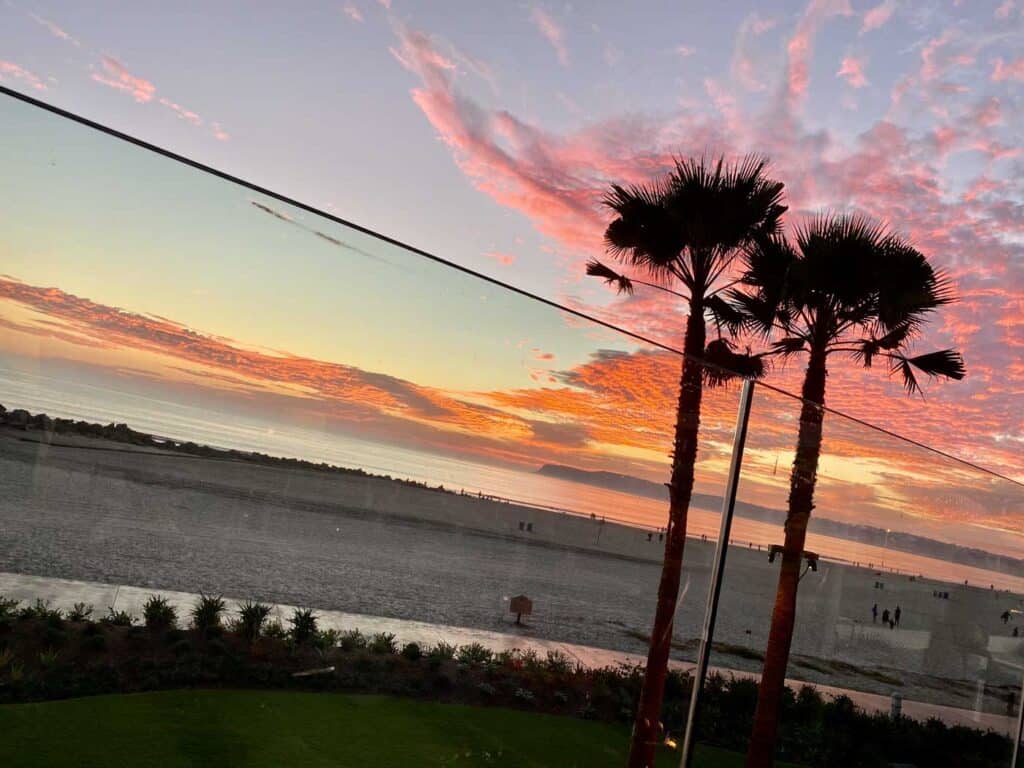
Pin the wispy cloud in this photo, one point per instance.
(9, 69)
(685, 51)
(878, 16)
(551, 32)
(1011, 70)
(115, 75)
(852, 70)
(799, 47)
(185, 114)
(54, 30)
(353, 12)
(505, 259)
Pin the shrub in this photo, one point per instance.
(487, 689)
(303, 623)
(41, 610)
(383, 643)
(353, 640)
(158, 614)
(94, 643)
(54, 636)
(6, 657)
(8, 607)
(80, 612)
(48, 659)
(206, 614)
(558, 662)
(412, 651)
(275, 630)
(118, 618)
(524, 695)
(442, 651)
(251, 618)
(327, 639)
(181, 647)
(475, 653)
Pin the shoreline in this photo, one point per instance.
(119, 437)
(101, 512)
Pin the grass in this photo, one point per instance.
(258, 729)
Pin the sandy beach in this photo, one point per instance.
(100, 511)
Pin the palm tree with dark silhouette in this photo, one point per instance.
(844, 287)
(684, 234)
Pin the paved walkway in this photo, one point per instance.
(63, 593)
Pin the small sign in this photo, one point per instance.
(521, 606)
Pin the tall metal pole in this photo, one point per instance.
(1020, 726)
(718, 569)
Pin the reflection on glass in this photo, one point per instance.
(913, 602)
(244, 399)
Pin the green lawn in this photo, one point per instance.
(280, 729)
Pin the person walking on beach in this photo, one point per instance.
(885, 616)
(874, 613)
(1005, 617)
(896, 615)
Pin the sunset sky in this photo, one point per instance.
(486, 133)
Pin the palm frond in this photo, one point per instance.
(724, 363)
(909, 287)
(894, 339)
(946, 363)
(622, 283)
(790, 345)
(725, 315)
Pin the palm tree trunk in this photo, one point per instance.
(647, 727)
(761, 751)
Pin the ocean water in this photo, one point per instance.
(94, 401)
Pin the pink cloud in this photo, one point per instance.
(1005, 10)
(539, 354)
(180, 111)
(551, 32)
(745, 67)
(505, 259)
(799, 47)
(1013, 70)
(352, 12)
(685, 51)
(53, 29)
(12, 70)
(877, 16)
(891, 172)
(116, 76)
(852, 70)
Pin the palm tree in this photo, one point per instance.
(845, 287)
(684, 233)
